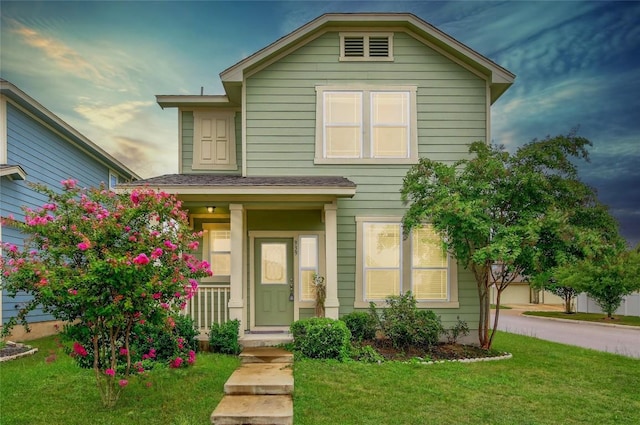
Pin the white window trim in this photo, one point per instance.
(111, 175)
(366, 57)
(366, 149)
(206, 250)
(196, 163)
(405, 272)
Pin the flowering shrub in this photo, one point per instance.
(105, 263)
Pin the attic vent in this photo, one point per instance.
(366, 47)
(354, 46)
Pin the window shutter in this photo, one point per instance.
(354, 46)
(379, 47)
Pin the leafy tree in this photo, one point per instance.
(492, 209)
(105, 263)
(607, 281)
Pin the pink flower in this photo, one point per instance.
(79, 349)
(135, 198)
(83, 246)
(176, 363)
(73, 291)
(194, 245)
(152, 353)
(170, 245)
(192, 357)
(156, 253)
(141, 259)
(124, 351)
(110, 372)
(157, 295)
(68, 184)
(123, 383)
(50, 207)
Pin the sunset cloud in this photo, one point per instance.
(110, 117)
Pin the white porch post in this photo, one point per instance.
(331, 303)
(236, 302)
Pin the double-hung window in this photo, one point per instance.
(366, 125)
(388, 265)
(309, 264)
(217, 250)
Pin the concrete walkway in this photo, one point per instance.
(617, 339)
(260, 391)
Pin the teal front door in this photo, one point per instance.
(273, 281)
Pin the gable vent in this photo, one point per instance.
(378, 47)
(354, 46)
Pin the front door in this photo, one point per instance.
(274, 281)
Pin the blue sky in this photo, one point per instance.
(99, 64)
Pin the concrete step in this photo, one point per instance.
(266, 355)
(264, 340)
(254, 409)
(260, 378)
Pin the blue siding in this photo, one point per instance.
(47, 158)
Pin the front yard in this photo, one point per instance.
(544, 383)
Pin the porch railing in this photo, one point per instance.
(209, 305)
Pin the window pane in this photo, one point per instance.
(308, 252)
(430, 284)
(307, 289)
(274, 263)
(427, 248)
(390, 108)
(344, 108)
(221, 264)
(220, 240)
(381, 244)
(343, 141)
(390, 142)
(380, 284)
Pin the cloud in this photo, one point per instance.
(112, 116)
(143, 156)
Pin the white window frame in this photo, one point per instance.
(197, 162)
(206, 250)
(367, 155)
(365, 57)
(111, 176)
(406, 269)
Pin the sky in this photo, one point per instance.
(99, 64)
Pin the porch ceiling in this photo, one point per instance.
(216, 184)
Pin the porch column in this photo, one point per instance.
(331, 303)
(236, 302)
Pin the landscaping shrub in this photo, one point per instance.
(459, 329)
(321, 338)
(223, 338)
(404, 325)
(361, 325)
(366, 354)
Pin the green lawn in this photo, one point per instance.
(545, 383)
(589, 317)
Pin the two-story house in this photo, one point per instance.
(38, 146)
(296, 170)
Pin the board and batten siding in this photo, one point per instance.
(187, 124)
(47, 158)
(281, 126)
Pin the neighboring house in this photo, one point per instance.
(519, 292)
(297, 168)
(37, 146)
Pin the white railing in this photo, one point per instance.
(209, 305)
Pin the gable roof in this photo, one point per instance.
(34, 107)
(499, 78)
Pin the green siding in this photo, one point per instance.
(187, 145)
(281, 127)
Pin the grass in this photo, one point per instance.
(545, 383)
(502, 307)
(589, 317)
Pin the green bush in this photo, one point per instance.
(405, 326)
(459, 329)
(361, 325)
(366, 354)
(321, 338)
(223, 338)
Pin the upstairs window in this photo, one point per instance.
(214, 144)
(366, 125)
(366, 47)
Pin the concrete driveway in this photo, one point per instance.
(624, 340)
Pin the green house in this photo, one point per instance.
(296, 169)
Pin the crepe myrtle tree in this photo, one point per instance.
(104, 263)
(492, 208)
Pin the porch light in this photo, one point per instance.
(211, 209)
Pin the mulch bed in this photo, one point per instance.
(442, 351)
(13, 349)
